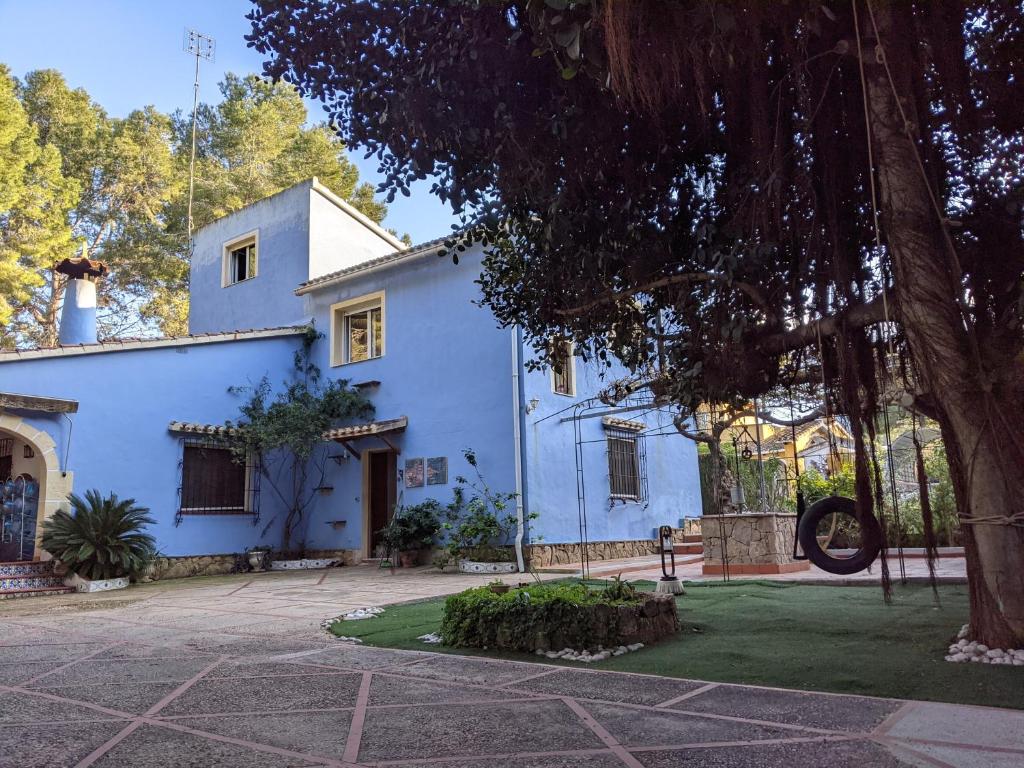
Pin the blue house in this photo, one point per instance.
(140, 416)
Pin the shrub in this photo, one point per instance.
(414, 527)
(104, 537)
(478, 521)
(554, 616)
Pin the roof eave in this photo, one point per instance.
(376, 266)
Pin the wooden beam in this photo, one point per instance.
(38, 403)
(349, 448)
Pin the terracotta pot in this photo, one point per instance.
(499, 589)
(408, 559)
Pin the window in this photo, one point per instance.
(627, 461)
(240, 259)
(563, 369)
(212, 482)
(357, 329)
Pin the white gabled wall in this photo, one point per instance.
(340, 236)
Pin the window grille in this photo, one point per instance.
(212, 482)
(627, 464)
(562, 369)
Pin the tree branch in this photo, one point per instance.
(751, 291)
(804, 335)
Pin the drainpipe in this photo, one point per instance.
(517, 440)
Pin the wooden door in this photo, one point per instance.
(382, 495)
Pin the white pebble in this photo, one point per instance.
(981, 647)
(430, 639)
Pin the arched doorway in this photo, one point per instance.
(32, 488)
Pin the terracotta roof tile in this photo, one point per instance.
(407, 253)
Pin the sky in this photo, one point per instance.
(128, 54)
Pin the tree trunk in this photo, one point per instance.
(980, 413)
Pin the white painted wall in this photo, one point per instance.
(340, 237)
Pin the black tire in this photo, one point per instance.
(807, 534)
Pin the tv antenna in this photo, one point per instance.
(202, 47)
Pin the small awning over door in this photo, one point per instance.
(381, 429)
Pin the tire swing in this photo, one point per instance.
(816, 550)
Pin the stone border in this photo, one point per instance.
(100, 585)
(187, 566)
(544, 555)
(476, 566)
(306, 564)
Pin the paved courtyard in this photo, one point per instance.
(234, 671)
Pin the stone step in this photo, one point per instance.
(692, 538)
(689, 549)
(26, 568)
(35, 592)
(31, 581)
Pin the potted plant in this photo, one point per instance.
(498, 587)
(480, 526)
(101, 542)
(412, 530)
(258, 557)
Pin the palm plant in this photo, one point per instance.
(103, 539)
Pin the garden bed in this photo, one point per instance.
(546, 617)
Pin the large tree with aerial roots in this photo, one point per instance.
(724, 188)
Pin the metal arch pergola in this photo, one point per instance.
(594, 408)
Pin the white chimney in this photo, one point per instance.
(78, 317)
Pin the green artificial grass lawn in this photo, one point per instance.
(842, 639)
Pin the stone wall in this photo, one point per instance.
(217, 565)
(647, 622)
(753, 543)
(547, 555)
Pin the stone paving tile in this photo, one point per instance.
(91, 671)
(836, 754)
(24, 708)
(264, 667)
(315, 733)
(963, 758)
(628, 689)
(602, 760)
(234, 645)
(465, 669)
(966, 725)
(134, 698)
(414, 732)
(647, 727)
(846, 713)
(16, 654)
(16, 634)
(256, 695)
(398, 689)
(358, 657)
(155, 747)
(13, 674)
(153, 652)
(51, 745)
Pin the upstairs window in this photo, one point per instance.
(357, 329)
(241, 259)
(563, 369)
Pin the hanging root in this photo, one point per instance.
(930, 544)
